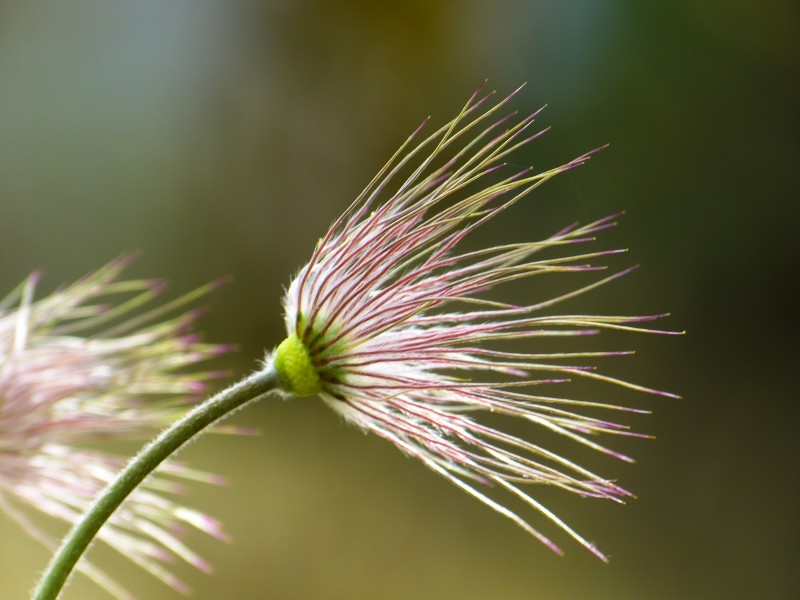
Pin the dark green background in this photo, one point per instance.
(222, 138)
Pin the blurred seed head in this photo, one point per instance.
(87, 364)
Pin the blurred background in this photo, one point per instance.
(222, 138)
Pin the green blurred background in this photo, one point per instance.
(221, 138)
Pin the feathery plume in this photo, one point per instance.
(390, 325)
(76, 369)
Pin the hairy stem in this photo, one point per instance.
(153, 454)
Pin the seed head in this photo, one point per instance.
(390, 322)
(77, 369)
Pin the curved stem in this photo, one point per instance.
(153, 454)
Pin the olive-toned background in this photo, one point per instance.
(221, 138)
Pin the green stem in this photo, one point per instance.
(153, 454)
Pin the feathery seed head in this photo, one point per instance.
(77, 367)
(389, 323)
